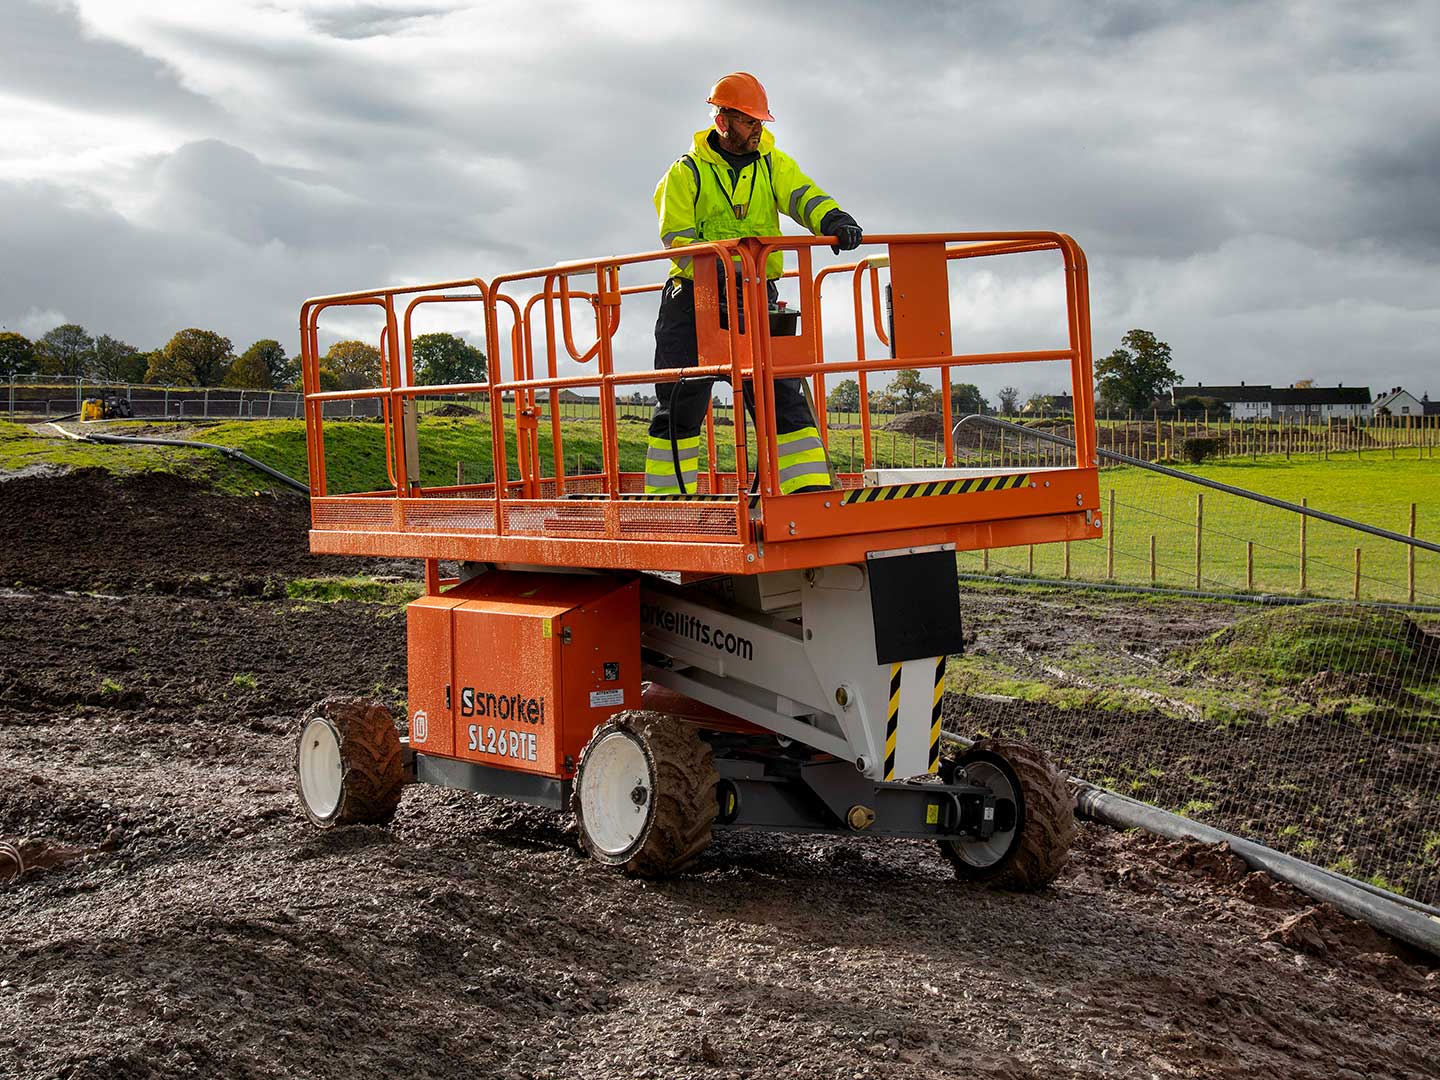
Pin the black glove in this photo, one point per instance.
(842, 226)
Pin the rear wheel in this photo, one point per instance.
(348, 763)
(1031, 841)
(644, 797)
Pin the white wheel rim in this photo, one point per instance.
(320, 769)
(616, 793)
(983, 853)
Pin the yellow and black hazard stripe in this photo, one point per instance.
(892, 721)
(935, 714)
(935, 487)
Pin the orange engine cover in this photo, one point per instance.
(516, 669)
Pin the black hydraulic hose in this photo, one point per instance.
(228, 451)
(674, 443)
(1126, 459)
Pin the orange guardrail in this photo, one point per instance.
(537, 508)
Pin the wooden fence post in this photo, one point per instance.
(1067, 560)
(1304, 525)
(1357, 573)
(1199, 529)
(1249, 565)
(1152, 558)
(459, 474)
(1110, 536)
(1410, 560)
(985, 559)
(1030, 570)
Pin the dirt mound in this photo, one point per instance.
(1296, 644)
(455, 409)
(93, 530)
(917, 423)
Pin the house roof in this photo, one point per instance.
(1323, 395)
(1391, 394)
(1258, 392)
(1290, 395)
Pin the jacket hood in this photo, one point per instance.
(703, 150)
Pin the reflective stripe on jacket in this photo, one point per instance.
(697, 199)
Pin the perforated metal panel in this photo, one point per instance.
(640, 520)
(342, 512)
(449, 515)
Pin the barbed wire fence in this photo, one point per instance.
(1308, 722)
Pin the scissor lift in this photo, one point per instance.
(730, 658)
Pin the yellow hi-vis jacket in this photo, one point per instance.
(697, 200)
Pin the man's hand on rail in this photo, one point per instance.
(842, 226)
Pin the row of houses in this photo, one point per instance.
(1260, 401)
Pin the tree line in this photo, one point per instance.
(195, 357)
(1130, 377)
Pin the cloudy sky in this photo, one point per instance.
(1257, 183)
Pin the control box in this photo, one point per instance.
(515, 670)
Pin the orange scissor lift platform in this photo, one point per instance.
(737, 522)
(792, 677)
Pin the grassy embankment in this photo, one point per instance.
(355, 451)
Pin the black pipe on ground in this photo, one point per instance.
(228, 451)
(1407, 920)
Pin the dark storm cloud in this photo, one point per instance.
(49, 57)
(1394, 184)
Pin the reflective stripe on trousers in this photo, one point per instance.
(801, 461)
(660, 476)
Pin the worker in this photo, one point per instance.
(732, 183)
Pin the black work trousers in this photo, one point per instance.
(685, 402)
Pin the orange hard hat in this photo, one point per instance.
(742, 92)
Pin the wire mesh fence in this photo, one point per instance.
(1306, 724)
(1314, 729)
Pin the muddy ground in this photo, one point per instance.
(178, 918)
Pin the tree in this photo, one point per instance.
(911, 393)
(1304, 384)
(17, 354)
(353, 363)
(192, 357)
(1138, 372)
(845, 397)
(263, 366)
(965, 398)
(1009, 401)
(117, 361)
(443, 358)
(1039, 405)
(67, 350)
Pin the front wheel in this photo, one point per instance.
(348, 763)
(1035, 818)
(644, 797)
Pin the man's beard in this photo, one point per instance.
(735, 144)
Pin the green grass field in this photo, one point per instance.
(1377, 490)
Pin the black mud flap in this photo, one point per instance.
(915, 604)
